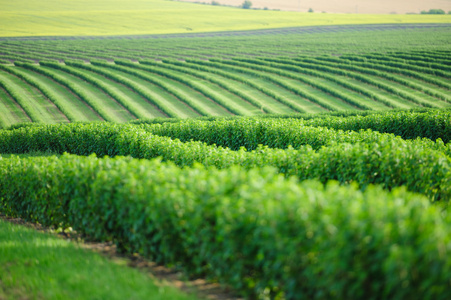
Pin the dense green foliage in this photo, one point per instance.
(238, 123)
(254, 230)
(280, 132)
(421, 166)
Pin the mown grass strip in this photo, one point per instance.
(36, 265)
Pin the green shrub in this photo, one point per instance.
(253, 229)
(389, 161)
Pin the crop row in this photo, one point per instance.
(379, 65)
(194, 84)
(207, 67)
(220, 82)
(250, 133)
(125, 102)
(17, 94)
(236, 66)
(403, 81)
(251, 229)
(408, 124)
(49, 93)
(323, 70)
(72, 87)
(104, 71)
(388, 161)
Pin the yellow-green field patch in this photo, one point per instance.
(136, 17)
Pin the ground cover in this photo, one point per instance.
(37, 265)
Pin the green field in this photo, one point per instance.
(290, 161)
(137, 17)
(285, 71)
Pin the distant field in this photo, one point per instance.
(344, 6)
(283, 71)
(136, 17)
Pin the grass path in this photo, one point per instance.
(36, 265)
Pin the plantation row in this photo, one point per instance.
(205, 221)
(185, 77)
(424, 41)
(125, 90)
(364, 158)
(430, 124)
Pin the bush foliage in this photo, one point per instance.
(253, 229)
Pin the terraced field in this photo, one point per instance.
(284, 71)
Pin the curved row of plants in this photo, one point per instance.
(101, 111)
(253, 230)
(388, 161)
(416, 124)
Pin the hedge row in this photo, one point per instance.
(434, 124)
(274, 133)
(387, 161)
(408, 124)
(251, 229)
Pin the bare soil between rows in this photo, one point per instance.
(163, 276)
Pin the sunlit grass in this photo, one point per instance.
(35, 265)
(135, 17)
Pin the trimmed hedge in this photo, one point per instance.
(388, 161)
(262, 234)
(408, 124)
(277, 133)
